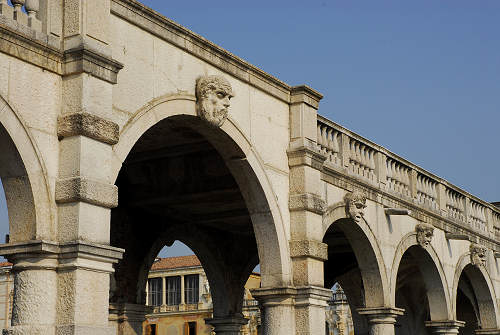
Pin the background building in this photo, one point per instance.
(179, 294)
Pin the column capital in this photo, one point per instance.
(274, 296)
(381, 315)
(447, 327)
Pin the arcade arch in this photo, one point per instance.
(473, 299)
(355, 262)
(180, 179)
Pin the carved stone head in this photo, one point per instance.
(425, 232)
(212, 99)
(477, 255)
(355, 205)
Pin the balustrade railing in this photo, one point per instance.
(370, 163)
(29, 17)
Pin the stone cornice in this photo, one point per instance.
(305, 94)
(31, 46)
(88, 125)
(160, 26)
(340, 179)
(85, 60)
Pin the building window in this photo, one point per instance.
(154, 291)
(151, 329)
(190, 328)
(191, 289)
(173, 290)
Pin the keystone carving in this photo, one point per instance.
(212, 99)
(477, 255)
(425, 232)
(355, 205)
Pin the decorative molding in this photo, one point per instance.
(307, 202)
(84, 60)
(30, 46)
(88, 125)
(307, 248)
(305, 94)
(81, 189)
(397, 211)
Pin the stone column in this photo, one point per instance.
(163, 290)
(444, 327)
(35, 280)
(227, 326)
(277, 307)
(128, 318)
(381, 320)
(306, 212)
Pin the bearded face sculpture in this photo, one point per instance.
(425, 232)
(212, 99)
(355, 205)
(477, 255)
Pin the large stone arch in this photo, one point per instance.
(433, 274)
(244, 163)
(367, 252)
(483, 288)
(24, 178)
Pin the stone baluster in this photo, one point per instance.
(19, 16)
(381, 320)
(444, 327)
(5, 9)
(32, 8)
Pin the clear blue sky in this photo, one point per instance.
(421, 78)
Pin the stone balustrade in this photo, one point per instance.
(29, 17)
(369, 163)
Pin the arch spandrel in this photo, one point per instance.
(24, 176)
(433, 273)
(484, 291)
(244, 163)
(367, 251)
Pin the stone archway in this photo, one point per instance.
(418, 282)
(224, 189)
(31, 211)
(474, 285)
(24, 178)
(363, 277)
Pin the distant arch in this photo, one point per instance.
(24, 177)
(483, 288)
(245, 165)
(433, 274)
(367, 252)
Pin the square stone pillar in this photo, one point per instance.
(85, 191)
(381, 320)
(306, 213)
(450, 327)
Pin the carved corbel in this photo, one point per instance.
(355, 205)
(477, 255)
(425, 232)
(212, 99)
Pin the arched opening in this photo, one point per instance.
(183, 180)
(354, 261)
(419, 290)
(474, 301)
(179, 297)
